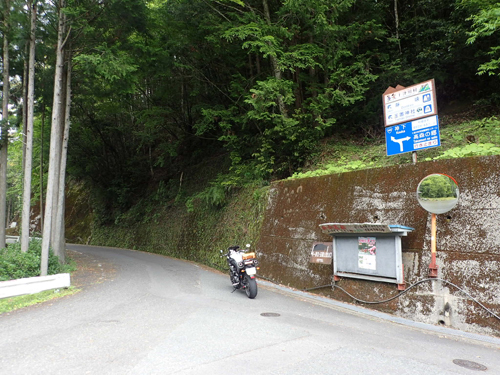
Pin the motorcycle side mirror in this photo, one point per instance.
(248, 245)
(221, 251)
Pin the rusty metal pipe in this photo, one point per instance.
(433, 268)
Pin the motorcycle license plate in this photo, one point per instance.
(251, 271)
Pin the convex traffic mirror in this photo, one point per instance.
(438, 193)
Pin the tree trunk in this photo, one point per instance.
(396, 16)
(60, 242)
(26, 217)
(4, 128)
(55, 136)
(274, 62)
(25, 94)
(41, 163)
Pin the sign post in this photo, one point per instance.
(410, 118)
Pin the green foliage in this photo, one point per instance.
(219, 191)
(14, 264)
(437, 186)
(341, 156)
(306, 89)
(486, 23)
(474, 149)
(159, 86)
(214, 195)
(339, 167)
(108, 64)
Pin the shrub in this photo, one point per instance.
(14, 264)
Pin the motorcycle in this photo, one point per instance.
(242, 269)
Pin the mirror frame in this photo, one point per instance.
(437, 205)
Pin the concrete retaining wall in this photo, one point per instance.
(468, 238)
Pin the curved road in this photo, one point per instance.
(158, 315)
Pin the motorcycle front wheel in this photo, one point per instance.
(250, 287)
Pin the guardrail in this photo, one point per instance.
(14, 239)
(31, 285)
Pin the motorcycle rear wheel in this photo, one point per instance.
(250, 287)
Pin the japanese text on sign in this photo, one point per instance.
(409, 103)
(412, 136)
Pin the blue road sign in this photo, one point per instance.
(412, 136)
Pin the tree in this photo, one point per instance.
(26, 217)
(58, 107)
(4, 127)
(59, 237)
(160, 85)
(125, 120)
(320, 62)
(486, 23)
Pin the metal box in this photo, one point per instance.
(367, 251)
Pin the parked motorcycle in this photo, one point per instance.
(242, 269)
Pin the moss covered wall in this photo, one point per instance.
(468, 238)
(198, 235)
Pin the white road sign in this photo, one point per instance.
(404, 104)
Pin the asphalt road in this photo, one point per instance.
(157, 315)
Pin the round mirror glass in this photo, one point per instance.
(437, 193)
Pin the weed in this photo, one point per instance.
(14, 264)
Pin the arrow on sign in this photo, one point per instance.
(400, 142)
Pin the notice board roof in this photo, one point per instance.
(342, 228)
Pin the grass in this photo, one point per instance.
(15, 303)
(15, 264)
(458, 139)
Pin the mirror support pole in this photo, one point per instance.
(433, 268)
(437, 194)
(414, 157)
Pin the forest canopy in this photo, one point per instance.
(159, 85)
